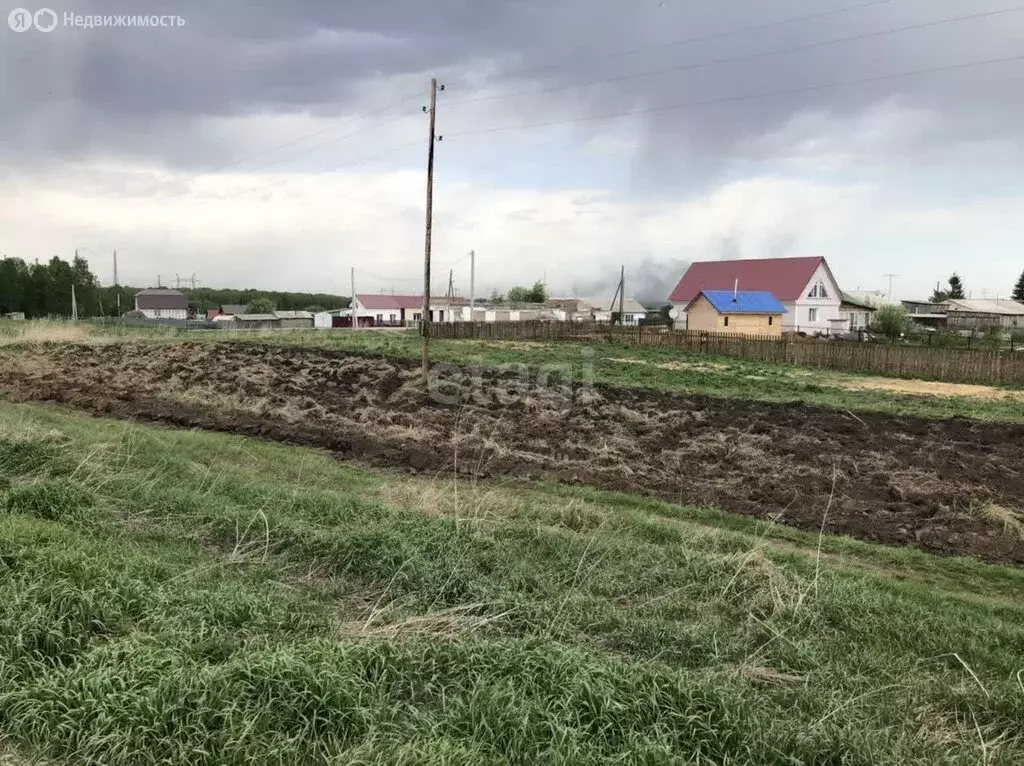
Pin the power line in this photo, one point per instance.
(747, 97)
(297, 154)
(387, 279)
(458, 260)
(293, 142)
(703, 38)
(746, 57)
(303, 176)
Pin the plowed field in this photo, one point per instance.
(952, 486)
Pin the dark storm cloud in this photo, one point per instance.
(78, 92)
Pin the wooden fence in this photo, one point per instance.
(951, 365)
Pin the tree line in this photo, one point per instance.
(955, 290)
(44, 290)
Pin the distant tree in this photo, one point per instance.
(891, 321)
(262, 306)
(939, 295)
(536, 294)
(956, 287)
(1018, 290)
(497, 297)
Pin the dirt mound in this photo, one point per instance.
(896, 480)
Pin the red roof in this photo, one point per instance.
(211, 313)
(785, 278)
(392, 302)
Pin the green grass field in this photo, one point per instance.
(178, 597)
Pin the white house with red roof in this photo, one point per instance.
(400, 310)
(806, 288)
(387, 310)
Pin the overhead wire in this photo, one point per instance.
(293, 142)
(703, 38)
(745, 57)
(739, 98)
(303, 176)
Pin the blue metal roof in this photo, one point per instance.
(743, 302)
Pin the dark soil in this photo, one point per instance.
(897, 480)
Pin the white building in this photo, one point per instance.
(598, 309)
(161, 303)
(386, 310)
(805, 287)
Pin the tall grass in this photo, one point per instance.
(42, 331)
(204, 599)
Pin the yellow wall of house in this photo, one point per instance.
(703, 316)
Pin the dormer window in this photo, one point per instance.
(818, 291)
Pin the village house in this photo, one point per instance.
(161, 303)
(386, 310)
(805, 287)
(599, 309)
(745, 313)
(856, 313)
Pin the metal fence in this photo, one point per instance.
(981, 366)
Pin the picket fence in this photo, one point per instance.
(979, 366)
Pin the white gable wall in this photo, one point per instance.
(798, 312)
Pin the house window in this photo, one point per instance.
(818, 291)
(380, 318)
(727, 321)
(812, 315)
(770, 321)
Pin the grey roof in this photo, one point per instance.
(255, 317)
(293, 314)
(233, 308)
(160, 291)
(629, 305)
(161, 298)
(1003, 307)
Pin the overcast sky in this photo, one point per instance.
(277, 145)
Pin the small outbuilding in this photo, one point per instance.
(257, 322)
(293, 320)
(729, 311)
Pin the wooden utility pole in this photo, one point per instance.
(622, 293)
(618, 295)
(891, 278)
(425, 322)
(117, 285)
(352, 302)
(472, 285)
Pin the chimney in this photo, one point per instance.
(735, 290)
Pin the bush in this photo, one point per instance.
(891, 321)
(993, 337)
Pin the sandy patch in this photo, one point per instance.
(676, 365)
(929, 388)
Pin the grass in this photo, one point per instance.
(206, 599)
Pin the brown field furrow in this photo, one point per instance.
(896, 480)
